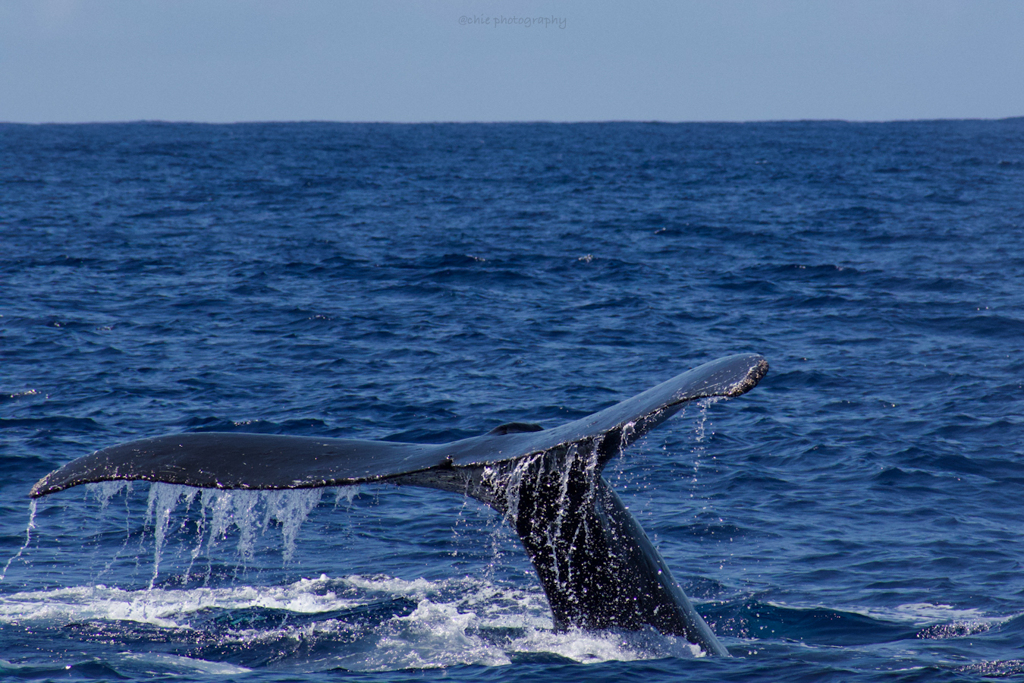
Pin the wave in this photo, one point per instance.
(357, 623)
(387, 623)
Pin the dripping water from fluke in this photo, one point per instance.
(28, 538)
(700, 438)
(217, 515)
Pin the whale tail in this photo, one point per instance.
(596, 564)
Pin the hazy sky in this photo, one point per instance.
(432, 60)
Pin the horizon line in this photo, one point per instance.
(501, 122)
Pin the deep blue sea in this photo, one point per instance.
(856, 517)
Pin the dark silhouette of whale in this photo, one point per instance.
(596, 564)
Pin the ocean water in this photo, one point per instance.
(856, 517)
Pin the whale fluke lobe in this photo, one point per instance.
(596, 564)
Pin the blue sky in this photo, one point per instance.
(427, 60)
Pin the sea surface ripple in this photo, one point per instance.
(856, 517)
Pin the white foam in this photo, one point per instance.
(159, 607)
(603, 646)
(415, 589)
(446, 633)
(924, 613)
(453, 622)
(178, 664)
(937, 621)
(433, 636)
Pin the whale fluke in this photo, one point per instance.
(597, 566)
